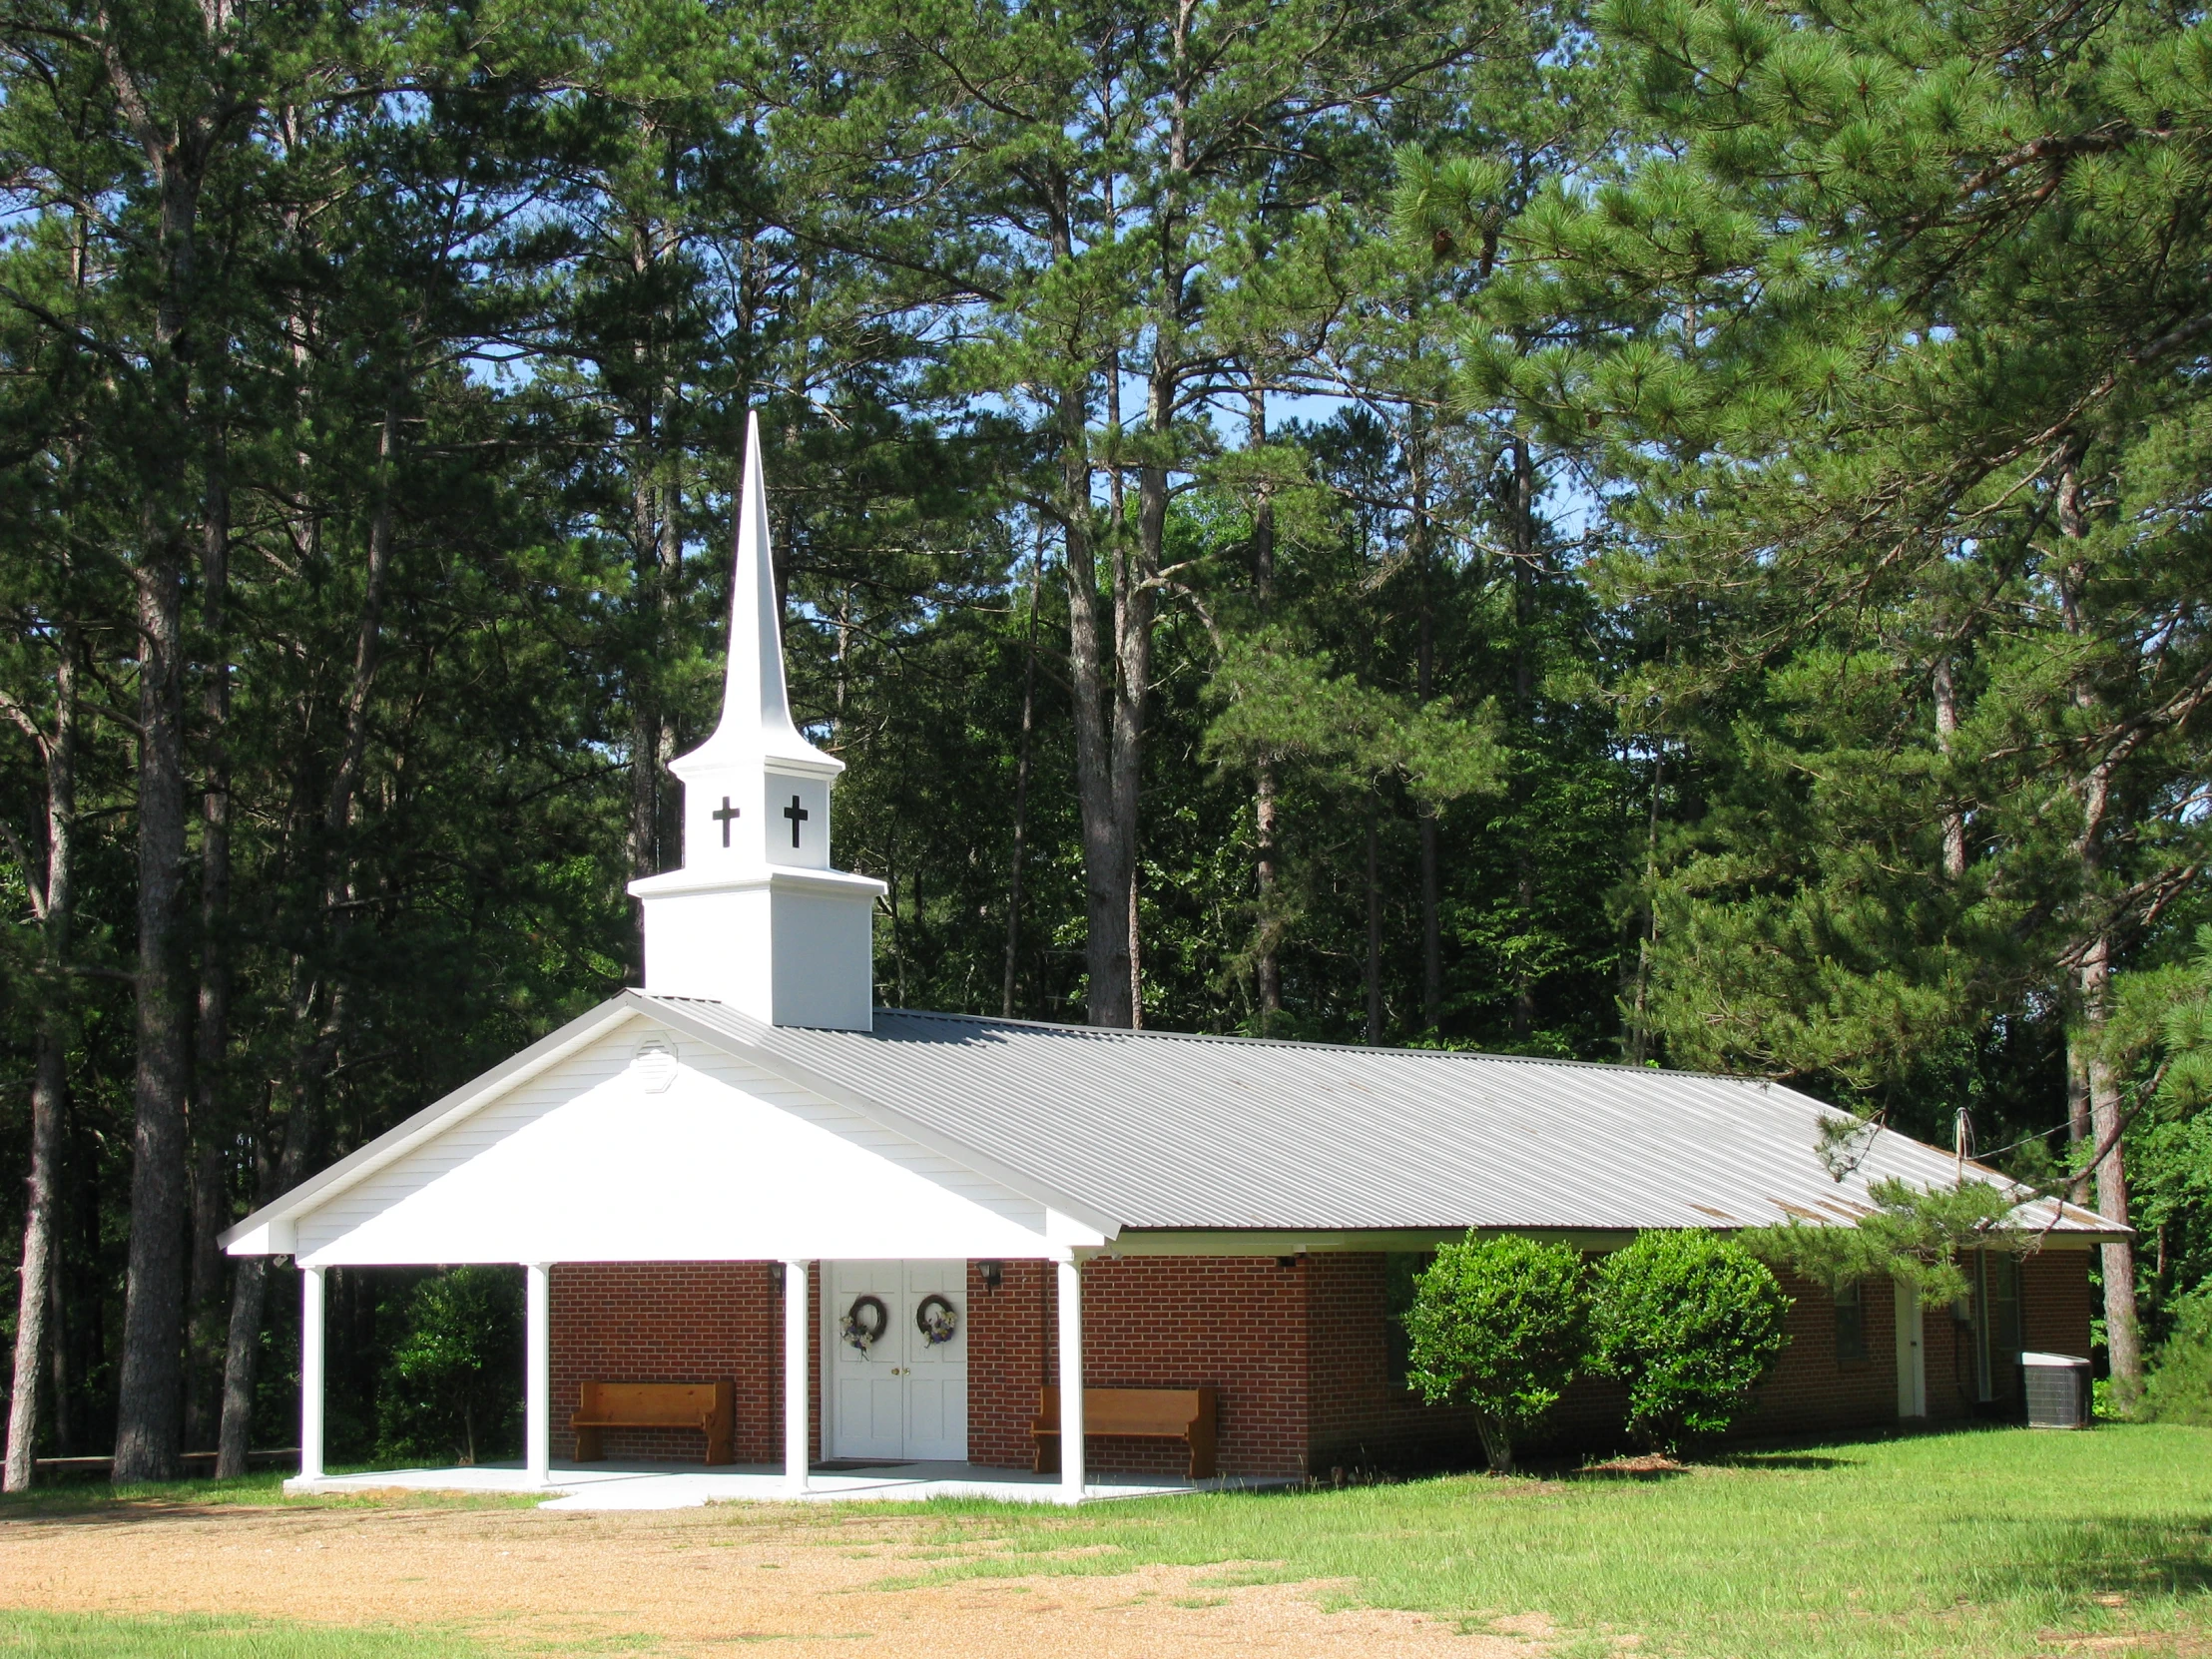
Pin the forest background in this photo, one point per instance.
(1666, 533)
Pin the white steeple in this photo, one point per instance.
(755, 918)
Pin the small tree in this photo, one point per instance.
(454, 1382)
(2181, 1368)
(1498, 1326)
(1690, 1321)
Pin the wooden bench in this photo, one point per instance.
(1185, 1415)
(709, 1408)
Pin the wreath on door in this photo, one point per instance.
(937, 1320)
(865, 1321)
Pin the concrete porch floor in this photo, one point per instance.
(686, 1485)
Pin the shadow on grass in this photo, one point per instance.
(2097, 1557)
(1782, 1461)
(98, 1501)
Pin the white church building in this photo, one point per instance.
(836, 1248)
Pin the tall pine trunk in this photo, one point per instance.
(210, 1192)
(1267, 970)
(36, 1294)
(2093, 1088)
(1424, 688)
(178, 125)
(1021, 787)
(148, 1423)
(1521, 523)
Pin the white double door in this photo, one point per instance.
(900, 1395)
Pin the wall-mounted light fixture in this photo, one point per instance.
(993, 1273)
(776, 1276)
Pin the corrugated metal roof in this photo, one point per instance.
(1156, 1130)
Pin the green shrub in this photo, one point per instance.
(2179, 1388)
(453, 1386)
(1498, 1326)
(1690, 1321)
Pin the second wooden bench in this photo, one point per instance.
(1185, 1415)
(708, 1408)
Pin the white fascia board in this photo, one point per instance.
(1198, 1240)
(252, 1237)
(884, 1117)
(270, 1230)
(839, 883)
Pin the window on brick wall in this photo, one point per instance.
(1399, 1269)
(1851, 1326)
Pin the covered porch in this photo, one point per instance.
(809, 1469)
(607, 1486)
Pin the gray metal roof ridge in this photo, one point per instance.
(1065, 1029)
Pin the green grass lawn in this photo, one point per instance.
(263, 1487)
(1984, 1543)
(25, 1635)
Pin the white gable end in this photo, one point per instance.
(647, 1144)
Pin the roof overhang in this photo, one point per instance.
(270, 1230)
(273, 1229)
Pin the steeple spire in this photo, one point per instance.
(756, 918)
(756, 709)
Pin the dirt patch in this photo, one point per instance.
(699, 1581)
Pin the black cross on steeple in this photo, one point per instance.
(722, 818)
(798, 814)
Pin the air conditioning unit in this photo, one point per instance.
(2058, 1391)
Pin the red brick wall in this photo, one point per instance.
(1009, 1340)
(1362, 1416)
(2055, 1303)
(1300, 1356)
(1811, 1392)
(1237, 1323)
(674, 1321)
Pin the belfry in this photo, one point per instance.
(755, 918)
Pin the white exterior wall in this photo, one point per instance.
(712, 944)
(585, 1162)
(825, 959)
(786, 947)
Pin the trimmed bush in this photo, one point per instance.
(2179, 1388)
(1498, 1326)
(1690, 1321)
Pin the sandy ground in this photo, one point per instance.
(683, 1582)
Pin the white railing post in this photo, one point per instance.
(538, 1385)
(311, 1374)
(1071, 1380)
(797, 1346)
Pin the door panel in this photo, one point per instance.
(868, 1416)
(937, 1372)
(904, 1397)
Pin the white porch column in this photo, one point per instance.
(537, 1384)
(1071, 1380)
(797, 1346)
(311, 1374)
